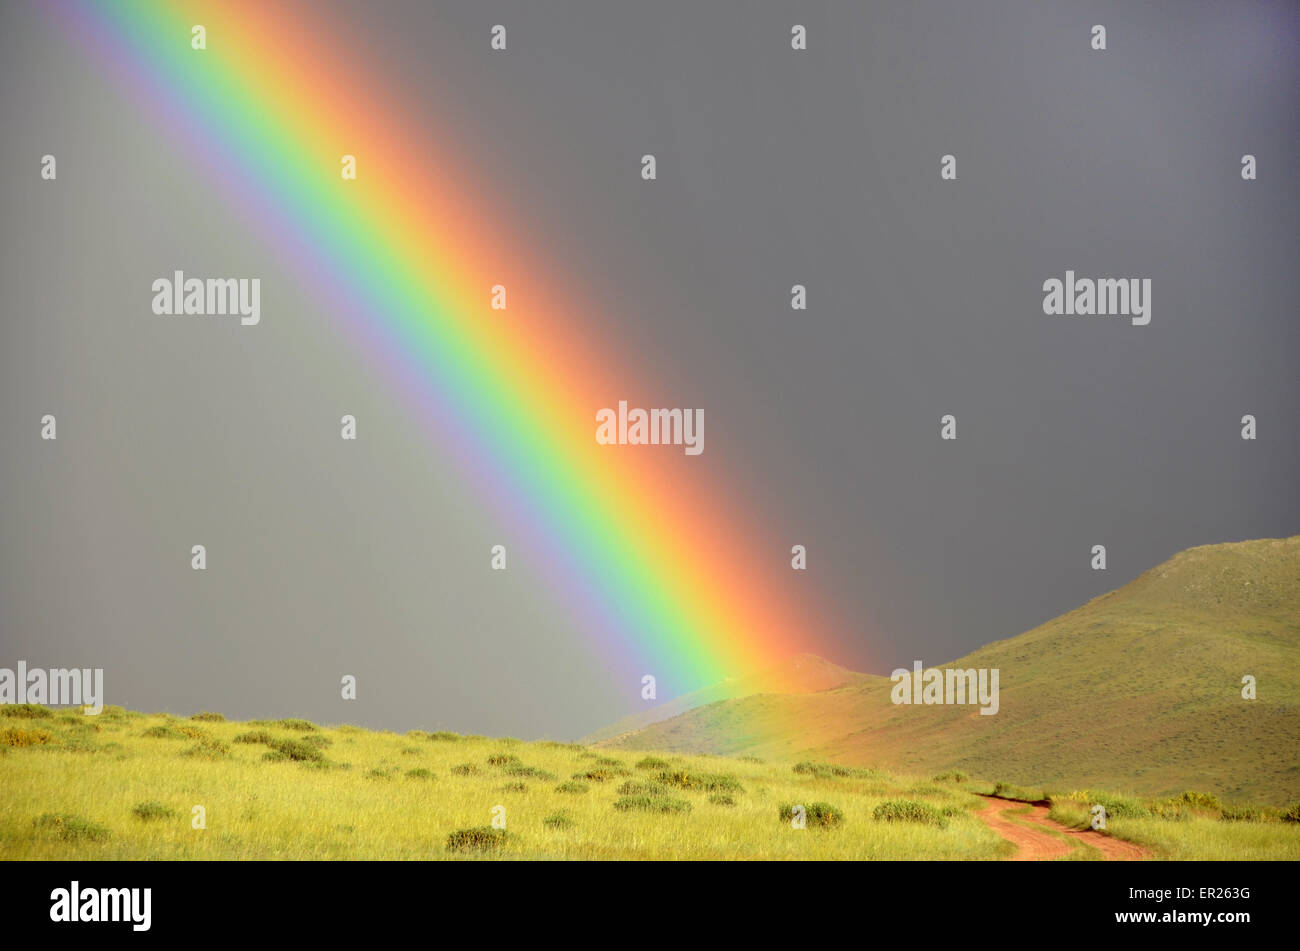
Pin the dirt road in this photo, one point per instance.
(1037, 837)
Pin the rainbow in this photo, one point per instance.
(656, 566)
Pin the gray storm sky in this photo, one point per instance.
(819, 167)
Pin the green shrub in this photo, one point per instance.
(720, 800)
(25, 711)
(1018, 793)
(1291, 813)
(832, 771)
(1244, 814)
(572, 787)
(1200, 800)
(651, 804)
(209, 717)
(420, 773)
(637, 788)
(14, 737)
(297, 750)
(443, 736)
(303, 726)
(502, 759)
(952, 776)
(708, 782)
(481, 839)
(559, 820)
(531, 772)
(596, 775)
(152, 810)
(909, 810)
(821, 815)
(208, 749)
(255, 736)
(162, 732)
(1120, 807)
(71, 828)
(652, 762)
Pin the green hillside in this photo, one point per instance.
(802, 673)
(1138, 690)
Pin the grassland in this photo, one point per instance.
(123, 785)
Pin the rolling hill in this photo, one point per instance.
(1139, 689)
(801, 673)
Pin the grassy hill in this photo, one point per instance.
(125, 785)
(802, 673)
(1137, 690)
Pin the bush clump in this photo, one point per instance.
(162, 732)
(832, 771)
(502, 759)
(573, 786)
(26, 711)
(420, 773)
(560, 820)
(208, 749)
(71, 828)
(152, 810)
(465, 769)
(481, 839)
(595, 775)
(652, 762)
(209, 717)
(296, 750)
(1200, 800)
(651, 804)
(720, 800)
(635, 787)
(292, 723)
(822, 815)
(1017, 793)
(1244, 814)
(909, 810)
(530, 772)
(255, 736)
(708, 782)
(33, 737)
(952, 776)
